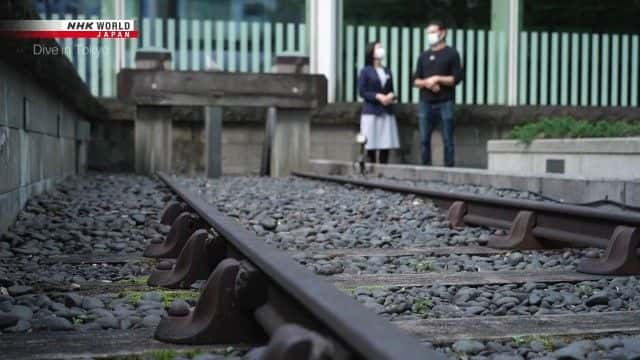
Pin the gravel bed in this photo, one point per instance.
(547, 347)
(73, 311)
(618, 294)
(566, 260)
(466, 188)
(296, 214)
(86, 215)
(304, 216)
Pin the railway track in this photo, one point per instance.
(256, 291)
(534, 225)
(325, 311)
(257, 298)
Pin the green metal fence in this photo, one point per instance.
(553, 68)
(195, 45)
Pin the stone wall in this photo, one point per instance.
(41, 141)
(333, 131)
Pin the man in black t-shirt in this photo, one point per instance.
(437, 73)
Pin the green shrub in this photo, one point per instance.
(567, 127)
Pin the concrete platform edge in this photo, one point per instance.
(575, 190)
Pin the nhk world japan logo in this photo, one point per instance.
(54, 29)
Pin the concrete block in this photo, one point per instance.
(10, 159)
(256, 135)
(522, 183)
(3, 95)
(581, 190)
(254, 158)
(10, 206)
(632, 193)
(605, 158)
(68, 156)
(14, 100)
(291, 142)
(41, 112)
(318, 151)
(83, 130)
(67, 123)
(153, 131)
(81, 149)
(52, 157)
(234, 155)
(35, 157)
(235, 135)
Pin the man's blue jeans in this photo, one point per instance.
(427, 116)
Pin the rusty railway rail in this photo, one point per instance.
(534, 225)
(254, 293)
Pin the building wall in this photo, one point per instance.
(41, 142)
(333, 132)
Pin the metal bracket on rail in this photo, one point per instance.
(198, 258)
(231, 309)
(171, 212)
(184, 225)
(620, 257)
(293, 342)
(520, 235)
(217, 318)
(456, 214)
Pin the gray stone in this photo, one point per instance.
(108, 322)
(55, 323)
(20, 327)
(598, 298)
(150, 320)
(21, 312)
(506, 357)
(139, 218)
(575, 351)
(7, 320)
(17, 290)
(609, 343)
(207, 357)
(179, 308)
(468, 346)
(90, 303)
(268, 223)
(632, 345)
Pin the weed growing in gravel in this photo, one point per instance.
(163, 355)
(422, 306)
(547, 341)
(169, 295)
(79, 320)
(585, 289)
(424, 266)
(140, 280)
(132, 296)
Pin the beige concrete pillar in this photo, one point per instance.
(291, 141)
(153, 139)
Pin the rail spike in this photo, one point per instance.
(171, 212)
(520, 235)
(198, 258)
(217, 317)
(294, 342)
(620, 258)
(184, 225)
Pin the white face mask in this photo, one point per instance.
(378, 53)
(433, 38)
